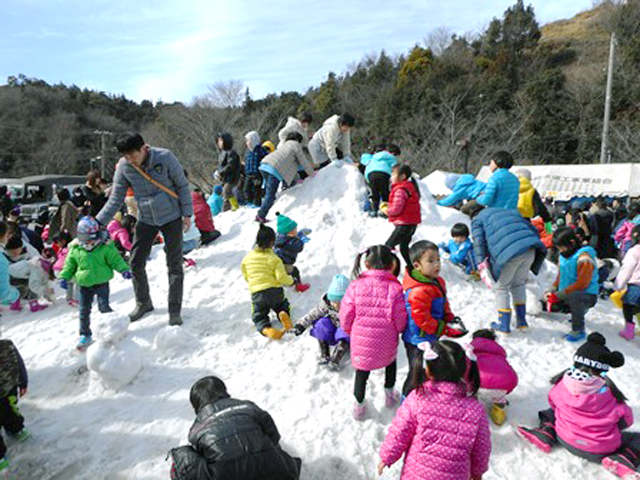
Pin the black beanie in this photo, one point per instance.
(595, 355)
(14, 242)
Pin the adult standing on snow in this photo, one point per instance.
(300, 125)
(332, 138)
(164, 204)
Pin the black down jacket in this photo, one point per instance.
(233, 440)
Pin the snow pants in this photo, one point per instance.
(512, 281)
(263, 302)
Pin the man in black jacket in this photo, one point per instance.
(231, 440)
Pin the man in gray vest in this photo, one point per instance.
(164, 205)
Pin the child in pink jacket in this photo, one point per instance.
(588, 412)
(373, 314)
(629, 279)
(497, 377)
(62, 240)
(120, 230)
(441, 428)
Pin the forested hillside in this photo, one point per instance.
(448, 102)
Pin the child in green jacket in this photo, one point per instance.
(90, 263)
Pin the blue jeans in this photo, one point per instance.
(272, 184)
(86, 299)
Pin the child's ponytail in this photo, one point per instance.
(378, 257)
(406, 171)
(266, 237)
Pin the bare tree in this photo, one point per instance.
(438, 39)
(225, 94)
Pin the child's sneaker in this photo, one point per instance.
(22, 435)
(4, 463)
(498, 414)
(35, 306)
(15, 306)
(73, 302)
(623, 463)
(575, 336)
(84, 342)
(302, 287)
(189, 262)
(391, 397)
(543, 438)
(359, 411)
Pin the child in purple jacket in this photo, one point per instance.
(588, 412)
(441, 428)
(373, 314)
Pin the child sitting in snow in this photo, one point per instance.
(441, 428)
(628, 281)
(576, 287)
(497, 377)
(90, 264)
(9, 295)
(264, 271)
(588, 412)
(62, 242)
(121, 231)
(215, 200)
(373, 314)
(460, 249)
(13, 384)
(403, 210)
(30, 272)
(428, 309)
(325, 320)
(289, 243)
(231, 440)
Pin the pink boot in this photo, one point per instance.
(359, 411)
(15, 306)
(391, 397)
(629, 331)
(34, 306)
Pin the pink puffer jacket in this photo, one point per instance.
(444, 432)
(60, 258)
(495, 371)
(119, 234)
(372, 312)
(588, 420)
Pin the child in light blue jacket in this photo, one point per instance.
(460, 248)
(503, 187)
(215, 201)
(378, 173)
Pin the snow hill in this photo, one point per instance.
(82, 430)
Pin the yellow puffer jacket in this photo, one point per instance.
(525, 198)
(263, 269)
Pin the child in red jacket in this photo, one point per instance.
(403, 210)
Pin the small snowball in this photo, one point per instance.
(109, 327)
(115, 365)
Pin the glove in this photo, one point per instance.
(126, 275)
(548, 227)
(298, 330)
(305, 231)
(63, 284)
(453, 332)
(384, 208)
(304, 238)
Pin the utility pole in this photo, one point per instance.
(103, 148)
(607, 105)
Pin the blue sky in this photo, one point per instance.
(173, 49)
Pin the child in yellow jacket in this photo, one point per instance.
(265, 273)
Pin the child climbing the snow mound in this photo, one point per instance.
(373, 314)
(588, 412)
(441, 428)
(289, 243)
(325, 321)
(264, 271)
(231, 440)
(90, 264)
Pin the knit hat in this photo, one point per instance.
(253, 138)
(451, 180)
(594, 354)
(285, 224)
(217, 189)
(338, 288)
(88, 231)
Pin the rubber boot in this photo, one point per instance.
(521, 318)
(498, 414)
(543, 437)
(285, 319)
(503, 325)
(272, 333)
(324, 353)
(629, 331)
(338, 353)
(233, 201)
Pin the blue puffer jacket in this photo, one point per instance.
(503, 190)
(501, 235)
(8, 293)
(466, 188)
(460, 254)
(380, 162)
(155, 207)
(288, 248)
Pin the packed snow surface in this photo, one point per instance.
(113, 429)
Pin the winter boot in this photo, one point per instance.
(521, 318)
(4, 463)
(359, 411)
(324, 353)
(175, 318)
(233, 201)
(285, 319)
(623, 463)
(629, 331)
(84, 342)
(302, 287)
(15, 306)
(503, 325)
(34, 306)
(22, 435)
(543, 437)
(336, 357)
(140, 311)
(272, 333)
(574, 337)
(391, 397)
(498, 413)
